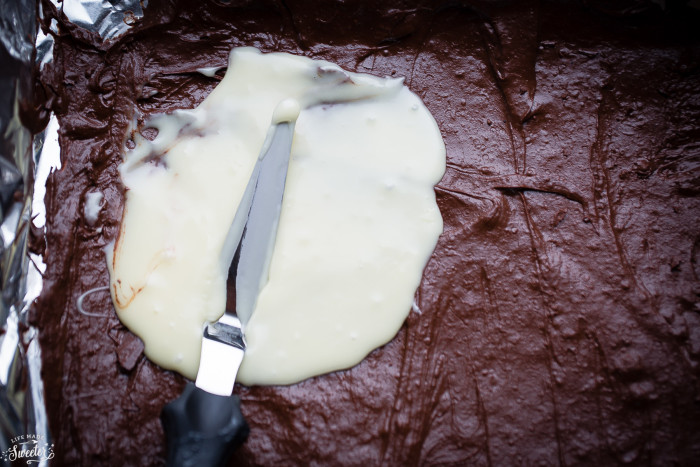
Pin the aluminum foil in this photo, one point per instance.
(22, 412)
(26, 161)
(109, 18)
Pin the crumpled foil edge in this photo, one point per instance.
(22, 409)
(26, 162)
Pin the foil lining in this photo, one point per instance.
(26, 161)
(22, 412)
(109, 18)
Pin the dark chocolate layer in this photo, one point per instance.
(560, 312)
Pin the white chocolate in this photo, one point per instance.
(358, 224)
(92, 207)
(286, 111)
(209, 71)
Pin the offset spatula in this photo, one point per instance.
(205, 425)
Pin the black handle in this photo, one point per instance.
(202, 429)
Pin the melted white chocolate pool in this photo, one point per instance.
(358, 224)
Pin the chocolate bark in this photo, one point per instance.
(558, 319)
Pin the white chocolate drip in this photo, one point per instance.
(358, 224)
(92, 207)
(286, 111)
(210, 71)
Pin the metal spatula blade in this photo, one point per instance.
(205, 424)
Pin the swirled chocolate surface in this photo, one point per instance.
(559, 317)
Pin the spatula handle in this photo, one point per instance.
(202, 429)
